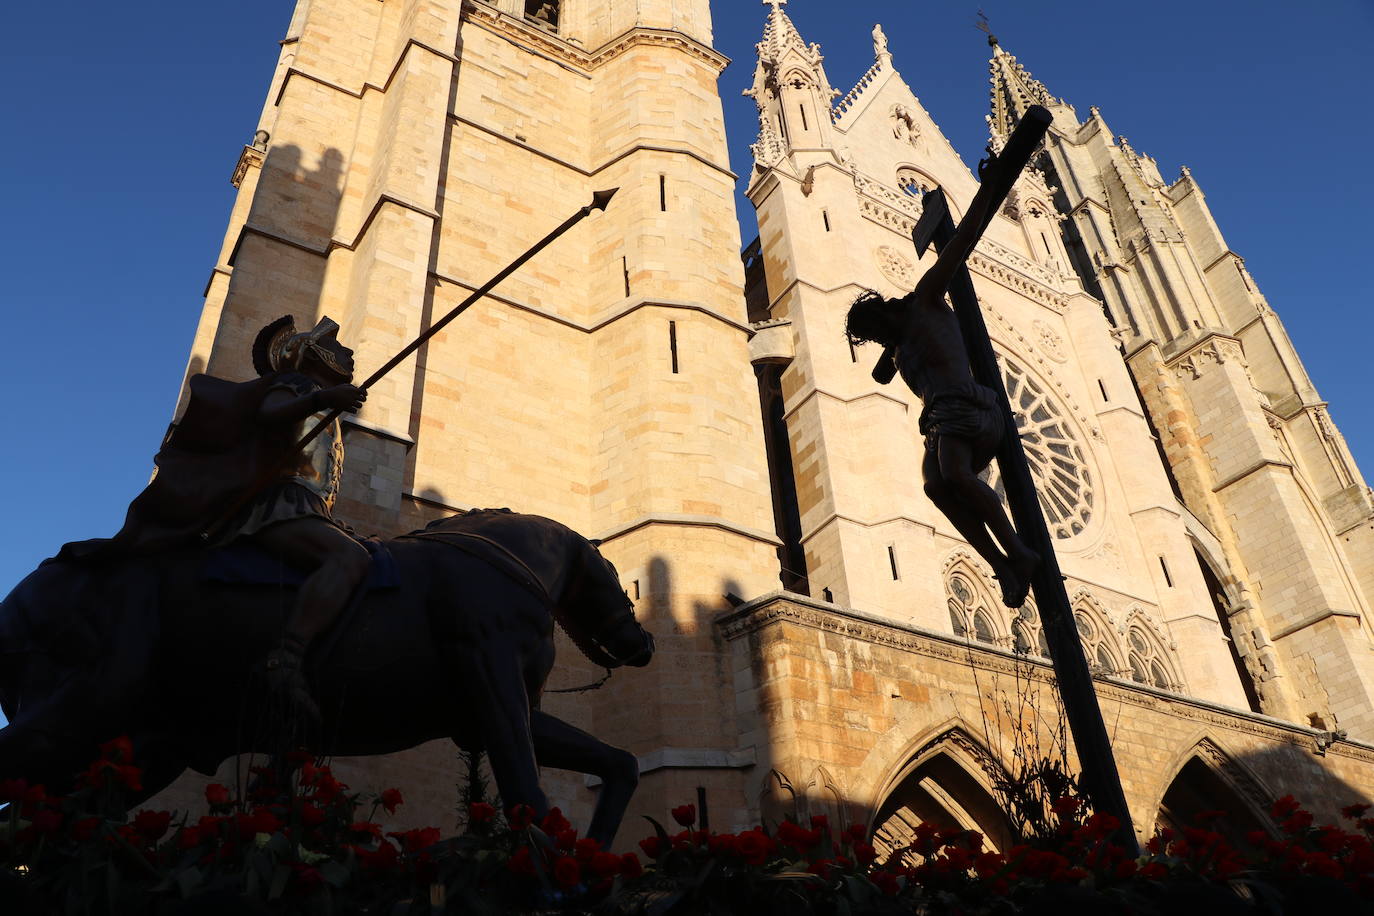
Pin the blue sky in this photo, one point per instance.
(124, 122)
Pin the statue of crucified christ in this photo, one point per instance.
(961, 420)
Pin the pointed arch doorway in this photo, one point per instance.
(942, 786)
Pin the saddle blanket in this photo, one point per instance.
(245, 563)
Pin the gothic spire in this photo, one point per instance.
(788, 66)
(1013, 91)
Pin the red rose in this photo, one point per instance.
(821, 867)
(120, 748)
(306, 877)
(886, 882)
(820, 821)
(12, 790)
(312, 815)
(189, 838)
(605, 865)
(864, 853)
(722, 844)
(520, 817)
(629, 865)
(1153, 870)
(480, 813)
(1285, 806)
(260, 820)
(554, 822)
(1350, 812)
(151, 825)
(854, 832)
(566, 840)
(521, 863)
(217, 795)
(686, 815)
(585, 850)
(47, 821)
(754, 846)
(327, 788)
(383, 859)
(567, 872)
(1065, 805)
(367, 829)
(390, 799)
(85, 828)
(652, 846)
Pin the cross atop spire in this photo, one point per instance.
(777, 5)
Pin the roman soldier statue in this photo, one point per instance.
(229, 469)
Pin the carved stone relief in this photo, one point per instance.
(896, 267)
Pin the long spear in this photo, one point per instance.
(599, 201)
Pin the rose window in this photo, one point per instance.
(1062, 480)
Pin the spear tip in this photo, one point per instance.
(601, 198)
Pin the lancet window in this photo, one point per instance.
(543, 12)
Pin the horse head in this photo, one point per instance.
(600, 618)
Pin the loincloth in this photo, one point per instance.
(968, 411)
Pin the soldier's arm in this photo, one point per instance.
(285, 406)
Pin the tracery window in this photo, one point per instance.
(1027, 637)
(970, 610)
(1057, 460)
(914, 183)
(1148, 660)
(1098, 643)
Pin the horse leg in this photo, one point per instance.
(564, 747)
(504, 724)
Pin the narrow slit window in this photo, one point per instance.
(635, 587)
(805, 125)
(1103, 388)
(1168, 579)
(625, 269)
(663, 193)
(1046, 240)
(892, 562)
(672, 343)
(825, 218)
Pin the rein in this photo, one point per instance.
(586, 687)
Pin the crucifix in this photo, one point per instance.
(946, 357)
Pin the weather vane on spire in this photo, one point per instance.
(985, 26)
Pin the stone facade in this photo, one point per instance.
(410, 148)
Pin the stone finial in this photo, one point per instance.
(777, 5)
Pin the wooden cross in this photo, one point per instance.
(1074, 680)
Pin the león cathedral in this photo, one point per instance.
(827, 643)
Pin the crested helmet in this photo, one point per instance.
(278, 347)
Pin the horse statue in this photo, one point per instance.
(459, 645)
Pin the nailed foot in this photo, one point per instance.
(1015, 578)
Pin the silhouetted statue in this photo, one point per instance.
(960, 419)
(458, 646)
(234, 453)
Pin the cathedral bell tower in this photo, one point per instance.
(408, 150)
